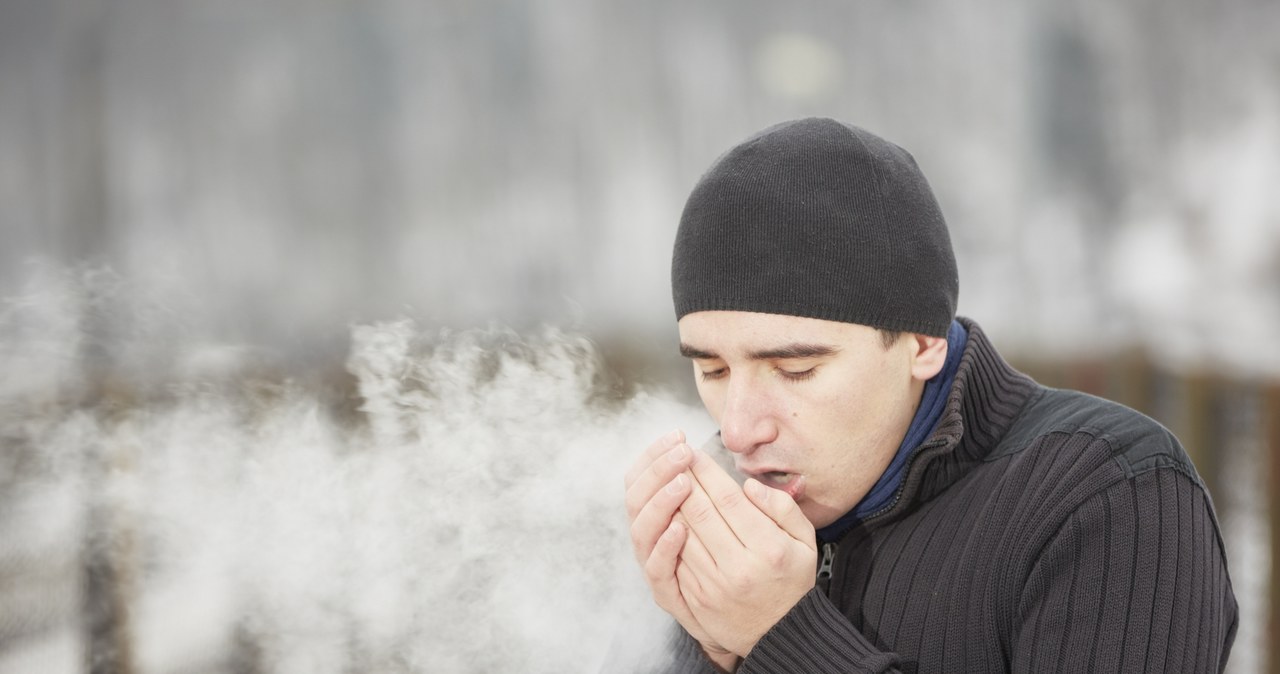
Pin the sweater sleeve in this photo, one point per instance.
(1135, 580)
(686, 655)
(816, 637)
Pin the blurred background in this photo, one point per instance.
(195, 191)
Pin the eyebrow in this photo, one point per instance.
(793, 350)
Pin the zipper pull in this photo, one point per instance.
(824, 569)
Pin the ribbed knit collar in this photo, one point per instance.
(932, 405)
(985, 400)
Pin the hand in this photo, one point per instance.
(749, 556)
(656, 485)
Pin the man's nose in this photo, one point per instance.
(746, 422)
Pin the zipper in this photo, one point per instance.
(825, 567)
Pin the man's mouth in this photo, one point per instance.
(791, 483)
(777, 477)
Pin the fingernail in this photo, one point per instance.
(677, 455)
(758, 491)
(673, 436)
(677, 485)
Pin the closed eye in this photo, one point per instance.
(712, 375)
(793, 375)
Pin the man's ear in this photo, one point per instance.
(928, 356)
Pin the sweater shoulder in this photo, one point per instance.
(1137, 443)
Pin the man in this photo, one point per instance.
(911, 502)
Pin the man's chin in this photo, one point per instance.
(818, 517)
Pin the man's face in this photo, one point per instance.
(812, 407)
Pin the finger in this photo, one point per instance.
(782, 509)
(709, 526)
(660, 567)
(661, 573)
(691, 592)
(657, 475)
(656, 516)
(696, 556)
(653, 451)
(742, 516)
(695, 571)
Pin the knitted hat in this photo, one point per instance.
(821, 219)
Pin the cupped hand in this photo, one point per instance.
(749, 556)
(656, 485)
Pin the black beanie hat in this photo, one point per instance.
(821, 219)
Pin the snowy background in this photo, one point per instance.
(215, 216)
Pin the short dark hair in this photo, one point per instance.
(889, 337)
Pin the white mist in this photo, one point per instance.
(467, 519)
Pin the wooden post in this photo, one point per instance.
(105, 600)
(1092, 376)
(107, 544)
(1199, 427)
(1271, 447)
(246, 651)
(1133, 384)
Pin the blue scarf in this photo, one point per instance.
(932, 401)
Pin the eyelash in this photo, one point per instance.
(785, 374)
(714, 374)
(796, 376)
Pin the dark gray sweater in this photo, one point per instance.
(1037, 530)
